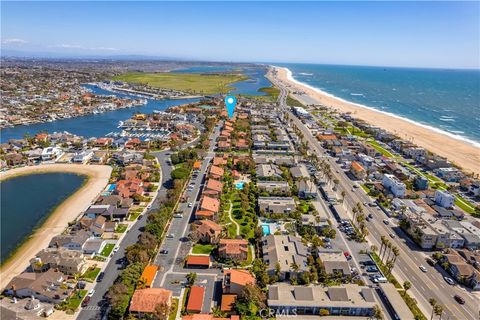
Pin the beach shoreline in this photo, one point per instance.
(459, 152)
(57, 220)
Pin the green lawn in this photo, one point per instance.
(107, 249)
(91, 274)
(121, 228)
(135, 214)
(202, 248)
(380, 149)
(365, 188)
(173, 309)
(194, 83)
(73, 302)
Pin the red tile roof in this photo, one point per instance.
(215, 185)
(195, 299)
(198, 260)
(146, 300)
(216, 171)
(241, 277)
(209, 204)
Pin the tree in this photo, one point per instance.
(407, 285)
(377, 313)
(438, 310)
(433, 303)
(294, 267)
(191, 277)
(250, 301)
(161, 311)
(324, 312)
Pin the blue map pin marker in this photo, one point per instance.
(230, 102)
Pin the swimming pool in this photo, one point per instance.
(111, 187)
(239, 185)
(266, 229)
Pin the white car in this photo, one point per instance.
(91, 292)
(423, 269)
(449, 281)
(115, 249)
(170, 235)
(190, 205)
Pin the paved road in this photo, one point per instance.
(425, 285)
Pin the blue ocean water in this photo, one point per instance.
(19, 217)
(447, 100)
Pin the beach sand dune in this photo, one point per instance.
(68, 211)
(458, 152)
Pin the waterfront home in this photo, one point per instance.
(49, 286)
(334, 262)
(283, 205)
(282, 251)
(74, 241)
(94, 246)
(145, 301)
(82, 156)
(233, 249)
(208, 231)
(344, 300)
(67, 261)
(24, 309)
(444, 199)
(129, 188)
(14, 159)
(108, 211)
(115, 201)
(51, 153)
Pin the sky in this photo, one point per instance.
(409, 34)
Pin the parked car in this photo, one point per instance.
(449, 281)
(372, 269)
(430, 261)
(392, 235)
(115, 250)
(380, 279)
(459, 299)
(347, 255)
(85, 301)
(170, 235)
(163, 251)
(386, 222)
(423, 269)
(190, 204)
(91, 292)
(100, 276)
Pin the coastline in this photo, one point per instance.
(58, 219)
(460, 152)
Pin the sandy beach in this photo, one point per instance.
(458, 152)
(68, 211)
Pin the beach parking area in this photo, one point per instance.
(69, 210)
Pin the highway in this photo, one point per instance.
(424, 285)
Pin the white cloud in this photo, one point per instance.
(76, 46)
(14, 41)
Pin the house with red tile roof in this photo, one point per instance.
(203, 316)
(198, 262)
(219, 161)
(242, 144)
(213, 187)
(146, 300)
(128, 188)
(103, 142)
(209, 204)
(358, 171)
(233, 249)
(216, 172)
(235, 280)
(208, 231)
(195, 299)
(133, 143)
(228, 302)
(223, 145)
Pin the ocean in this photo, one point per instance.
(43, 193)
(446, 101)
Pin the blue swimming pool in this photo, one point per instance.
(111, 187)
(239, 185)
(266, 229)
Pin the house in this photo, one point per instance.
(358, 171)
(306, 189)
(278, 188)
(14, 159)
(344, 300)
(235, 280)
(233, 249)
(195, 299)
(129, 188)
(395, 186)
(74, 241)
(145, 301)
(299, 172)
(198, 262)
(148, 275)
(108, 211)
(334, 262)
(94, 246)
(67, 261)
(268, 171)
(219, 161)
(444, 199)
(31, 309)
(103, 142)
(213, 187)
(284, 251)
(228, 303)
(319, 222)
(49, 286)
(209, 204)
(283, 205)
(420, 183)
(51, 153)
(99, 157)
(82, 156)
(462, 271)
(208, 231)
(216, 173)
(98, 226)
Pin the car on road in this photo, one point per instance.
(85, 301)
(430, 261)
(170, 235)
(370, 216)
(190, 204)
(91, 292)
(386, 222)
(367, 263)
(449, 280)
(355, 186)
(177, 215)
(423, 269)
(115, 250)
(100, 276)
(163, 251)
(372, 269)
(392, 235)
(380, 279)
(459, 299)
(347, 255)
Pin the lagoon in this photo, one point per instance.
(27, 201)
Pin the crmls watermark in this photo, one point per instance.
(277, 313)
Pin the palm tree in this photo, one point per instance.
(387, 245)
(433, 303)
(383, 239)
(407, 285)
(438, 310)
